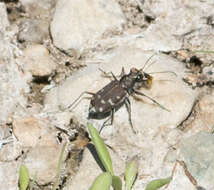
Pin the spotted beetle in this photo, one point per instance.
(111, 97)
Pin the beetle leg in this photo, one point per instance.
(115, 78)
(122, 73)
(79, 98)
(128, 107)
(154, 101)
(107, 74)
(105, 122)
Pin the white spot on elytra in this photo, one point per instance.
(98, 96)
(100, 109)
(118, 97)
(110, 102)
(103, 102)
(92, 109)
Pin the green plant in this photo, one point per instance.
(107, 179)
(24, 178)
(131, 174)
(103, 181)
(102, 151)
(158, 183)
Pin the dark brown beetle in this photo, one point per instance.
(110, 98)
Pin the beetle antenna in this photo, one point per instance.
(158, 72)
(147, 61)
(149, 65)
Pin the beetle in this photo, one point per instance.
(111, 97)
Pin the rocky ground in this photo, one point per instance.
(51, 51)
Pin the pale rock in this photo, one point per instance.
(38, 8)
(43, 160)
(174, 21)
(203, 119)
(181, 17)
(198, 154)
(33, 30)
(34, 26)
(27, 131)
(10, 151)
(76, 23)
(38, 138)
(157, 38)
(9, 172)
(37, 61)
(4, 20)
(13, 82)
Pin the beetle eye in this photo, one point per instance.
(139, 78)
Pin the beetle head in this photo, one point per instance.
(141, 79)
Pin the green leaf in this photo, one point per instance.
(23, 177)
(158, 183)
(101, 149)
(131, 174)
(103, 181)
(116, 183)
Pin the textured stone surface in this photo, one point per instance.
(38, 8)
(43, 160)
(75, 23)
(12, 80)
(198, 153)
(27, 131)
(10, 151)
(176, 23)
(9, 175)
(33, 30)
(42, 155)
(4, 21)
(203, 117)
(37, 61)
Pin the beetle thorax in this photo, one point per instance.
(127, 82)
(135, 80)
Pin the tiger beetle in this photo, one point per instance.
(111, 97)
